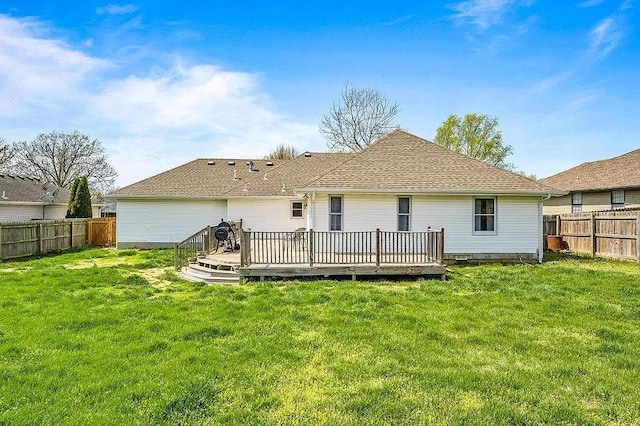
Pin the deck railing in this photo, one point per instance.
(192, 245)
(337, 247)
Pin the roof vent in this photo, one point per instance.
(284, 189)
(231, 163)
(250, 164)
(235, 174)
(4, 197)
(265, 177)
(307, 154)
(245, 189)
(211, 163)
(270, 163)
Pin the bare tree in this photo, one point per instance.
(6, 154)
(282, 152)
(62, 157)
(357, 119)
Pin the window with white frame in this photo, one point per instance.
(617, 199)
(484, 215)
(404, 213)
(296, 209)
(335, 213)
(576, 202)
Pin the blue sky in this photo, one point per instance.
(162, 82)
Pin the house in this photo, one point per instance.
(399, 183)
(23, 198)
(595, 186)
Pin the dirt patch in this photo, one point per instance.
(99, 262)
(154, 276)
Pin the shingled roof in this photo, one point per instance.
(292, 174)
(20, 189)
(614, 173)
(404, 163)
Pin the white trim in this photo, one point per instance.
(335, 214)
(398, 214)
(291, 216)
(368, 191)
(495, 216)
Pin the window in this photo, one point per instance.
(617, 199)
(335, 213)
(484, 215)
(576, 202)
(404, 213)
(296, 209)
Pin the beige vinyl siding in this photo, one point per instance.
(262, 214)
(518, 227)
(18, 213)
(160, 223)
(55, 212)
(591, 201)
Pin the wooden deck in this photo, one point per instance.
(349, 270)
(305, 253)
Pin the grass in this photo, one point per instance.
(115, 337)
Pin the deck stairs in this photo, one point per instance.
(212, 270)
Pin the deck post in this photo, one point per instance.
(207, 248)
(441, 247)
(242, 245)
(311, 246)
(377, 246)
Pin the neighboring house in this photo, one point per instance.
(599, 185)
(23, 199)
(400, 183)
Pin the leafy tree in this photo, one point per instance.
(476, 135)
(282, 152)
(62, 157)
(71, 206)
(357, 119)
(81, 205)
(6, 154)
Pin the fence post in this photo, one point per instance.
(71, 232)
(1, 258)
(378, 246)
(89, 232)
(558, 225)
(39, 238)
(637, 237)
(312, 244)
(594, 242)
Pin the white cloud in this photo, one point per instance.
(114, 9)
(482, 13)
(550, 82)
(604, 37)
(149, 121)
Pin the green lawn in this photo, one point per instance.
(113, 337)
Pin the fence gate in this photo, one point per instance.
(102, 231)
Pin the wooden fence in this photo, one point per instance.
(611, 233)
(101, 231)
(22, 239)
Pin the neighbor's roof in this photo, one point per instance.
(292, 174)
(204, 177)
(404, 163)
(618, 172)
(20, 189)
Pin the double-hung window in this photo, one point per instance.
(484, 215)
(404, 213)
(617, 199)
(296, 209)
(335, 213)
(576, 202)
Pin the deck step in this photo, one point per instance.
(212, 271)
(217, 264)
(212, 277)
